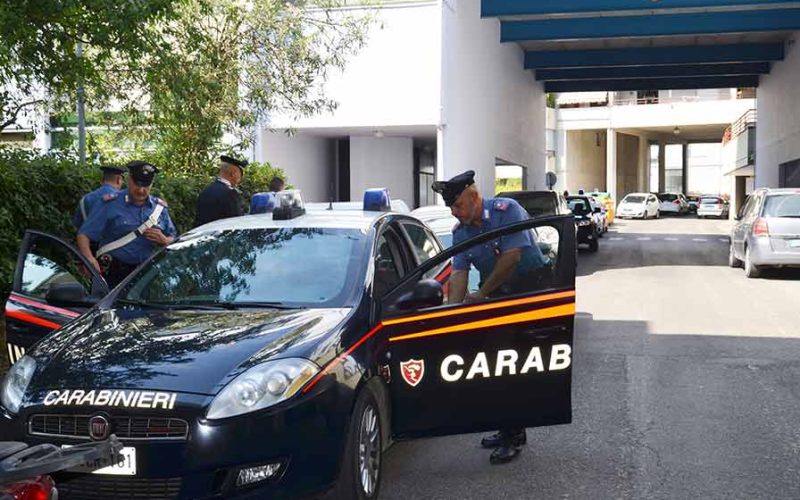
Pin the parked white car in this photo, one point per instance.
(599, 216)
(639, 205)
(712, 206)
(673, 203)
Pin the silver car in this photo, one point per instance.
(767, 231)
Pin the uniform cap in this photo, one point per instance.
(111, 169)
(142, 172)
(234, 161)
(452, 189)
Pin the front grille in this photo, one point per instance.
(130, 428)
(96, 486)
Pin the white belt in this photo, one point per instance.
(139, 231)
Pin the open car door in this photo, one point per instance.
(504, 362)
(53, 284)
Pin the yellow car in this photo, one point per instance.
(608, 202)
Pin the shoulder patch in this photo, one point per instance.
(110, 196)
(501, 205)
(161, 202)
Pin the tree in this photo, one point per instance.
(39, 48)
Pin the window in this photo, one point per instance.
(49, 263)
(423, 243)
(784, 205)
(387, 268)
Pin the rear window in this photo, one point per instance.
(633, 199)
(782, 205)
(668, 197)
(710, 201)
(538, 204)
(579, 206)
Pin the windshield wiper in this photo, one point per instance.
(256, 305)
(142, 303)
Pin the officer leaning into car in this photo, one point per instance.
(128, 227)
(110, 187)
(510, 264)
(221, 199)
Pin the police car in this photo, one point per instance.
(275, 356)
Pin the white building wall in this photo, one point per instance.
(778, 129)
(386, 162)
(393, 81)
(308, 162)
(491, 107)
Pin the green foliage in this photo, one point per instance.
(41, 192)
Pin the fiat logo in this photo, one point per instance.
(99, 428)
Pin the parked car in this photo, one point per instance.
(767, 231)
(712, 206)
(694, 202)
(599, 214)
(673, 203)
(608, 202)
(539, 203)
(639, 205)
(581, 207)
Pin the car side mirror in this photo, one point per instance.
(426, 293)
(66, 294)
(598, 210)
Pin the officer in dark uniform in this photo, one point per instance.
(507, 265)
(111, 186)
(221, 199)
(128, 227)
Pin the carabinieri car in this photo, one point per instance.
(276, 356)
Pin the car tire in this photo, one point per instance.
(362, 457)
(732, 260)
(594, 245)
(658, 214)
(750, 269)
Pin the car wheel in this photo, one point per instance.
(658, 214)
(360, 476)
(732, 260)
(594, 244)
(750, 269)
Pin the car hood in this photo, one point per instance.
(178, 351)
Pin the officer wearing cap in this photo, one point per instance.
(110, 187)
(128, 227)
(221, 199)
(505, 265)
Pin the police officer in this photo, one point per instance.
(110, 187)
(507, 265)
(221, 199)
(128, 227)
(261, 203)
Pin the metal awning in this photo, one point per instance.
(581, 98)
(619, 45)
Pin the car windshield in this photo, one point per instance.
(710, 201)
(633, 199)
(579, 206)
(292, 267)
(537, 204)
(783, 205)
(668, 197)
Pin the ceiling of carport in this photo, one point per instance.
(616, 45)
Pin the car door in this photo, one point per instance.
(745, 223)
(46, 264)
(506, 361)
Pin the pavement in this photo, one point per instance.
(686, 384)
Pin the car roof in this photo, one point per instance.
(398, 206)
(636, 194)
(344, 219)
(770, 191)
(522, 194)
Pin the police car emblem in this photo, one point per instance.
(412, 371)
(98, 428)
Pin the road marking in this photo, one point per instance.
(699, 239)
(724, 240)
(644, 238)
(672, 239)
(616, 238)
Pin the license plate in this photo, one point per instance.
(794, 243)
(124, 464)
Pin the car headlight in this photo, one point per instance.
(16, 382)
(584, 222)
(262, 386)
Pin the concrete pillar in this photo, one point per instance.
(611, 162)
(684, 168)
(662, 166)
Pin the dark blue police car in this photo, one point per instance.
(275, 356)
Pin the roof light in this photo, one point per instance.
(262, 203)
(377, 200)
(289, 204)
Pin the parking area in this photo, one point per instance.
(685, 384)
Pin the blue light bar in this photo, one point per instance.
(377, 200)
(262, 203)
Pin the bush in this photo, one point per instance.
(42, 191)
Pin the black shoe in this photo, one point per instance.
(504, 454)
(518, 438)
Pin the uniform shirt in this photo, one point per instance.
(118, 217)
(90, 201)
(218, 201)
(497, 212)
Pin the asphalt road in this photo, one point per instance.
(686, 385)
